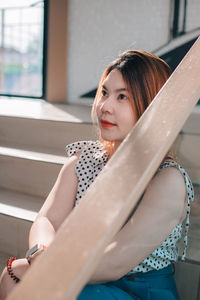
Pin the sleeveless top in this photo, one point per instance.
(91, 161)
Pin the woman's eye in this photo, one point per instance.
(104, 93)
(123, 97)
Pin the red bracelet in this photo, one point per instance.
(10, 271)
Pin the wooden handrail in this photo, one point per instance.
(63, 270)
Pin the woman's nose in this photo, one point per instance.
(107, 105)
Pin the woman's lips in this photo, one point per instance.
(107, 124)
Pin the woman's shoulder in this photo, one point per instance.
(167, 163)
(171, 169)
(176, 170)
(167, 192)
(169, 179)
(171, 176)
(175, 175)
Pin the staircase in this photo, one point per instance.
(33, 136)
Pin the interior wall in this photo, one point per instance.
(100, 30)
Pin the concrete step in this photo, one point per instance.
(19, 205)
(48, 136)
(196, 192)
(3, 259)
(193, 249)
(187, 277)
(29, 172)
(43, 127)
(17, 212)
(14, 235)
(187, 149)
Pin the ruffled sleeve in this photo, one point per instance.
(92, 159)
(76, 147)
(92, 150)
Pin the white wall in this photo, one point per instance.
(101, 29)
(193, 12)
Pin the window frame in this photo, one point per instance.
(44, 60)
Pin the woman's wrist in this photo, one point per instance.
(16, 268)
(10, 270)
(36, 250)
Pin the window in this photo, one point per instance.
(21, 48)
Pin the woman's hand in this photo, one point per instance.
(19, 267)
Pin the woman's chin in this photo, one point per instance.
(107, 138)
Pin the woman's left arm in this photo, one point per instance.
(163, 206)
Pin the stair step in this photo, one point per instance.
(14, 235)
(19, 205)
(189, 156)
(43, 127)
(42, 135)
(29, 172)
(3, 259)
(193, 249)
(17, 212)
(187, 277)
(40, 109)
(31, 155)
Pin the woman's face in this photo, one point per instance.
(114, 111)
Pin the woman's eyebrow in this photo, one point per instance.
(121, 90)
(117, 90)
(104, 87)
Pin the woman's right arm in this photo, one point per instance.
(57, 206)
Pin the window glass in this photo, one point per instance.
(21, 47)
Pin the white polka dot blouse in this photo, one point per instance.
(91, 161)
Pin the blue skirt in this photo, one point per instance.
(153, 285)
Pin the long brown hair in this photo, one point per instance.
(144, 74)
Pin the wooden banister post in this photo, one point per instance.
(68, 263)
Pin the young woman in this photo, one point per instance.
(141, 266)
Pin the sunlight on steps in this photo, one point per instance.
(33, 136)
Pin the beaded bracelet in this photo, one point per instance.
(10, 271)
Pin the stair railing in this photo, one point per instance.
(66, 266)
